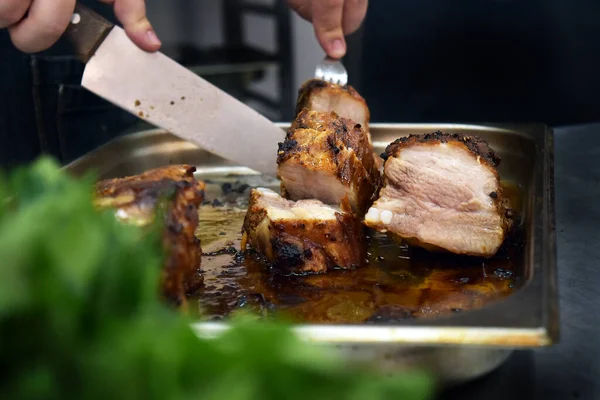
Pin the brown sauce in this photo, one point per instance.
(395, 283)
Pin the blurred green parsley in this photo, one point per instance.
(80, 317)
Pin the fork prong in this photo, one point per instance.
(332, 71)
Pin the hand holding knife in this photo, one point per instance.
(168, 95)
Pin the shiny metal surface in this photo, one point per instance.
(331, 70)
(457, 347)
(168, 95)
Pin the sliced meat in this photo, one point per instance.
(442, 192)
(304, 236)
(137, 199)
(322, 96)
(326, 157)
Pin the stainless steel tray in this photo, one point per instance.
(457, 347)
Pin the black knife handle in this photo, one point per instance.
(86, 31)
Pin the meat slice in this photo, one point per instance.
(174, 189)
(304, 236)
(322, 96)
(327, 157)
(442, 192)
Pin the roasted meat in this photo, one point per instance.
(322, 96)
(303, 236)
(327, 157)
(137, 199)
(442, 192)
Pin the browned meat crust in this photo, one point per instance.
(345, 130)
(137, 199)
(326, 157)
(315, 87)
(307, 236)
(476, 144)
(443, 205)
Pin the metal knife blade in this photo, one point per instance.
(168, 95)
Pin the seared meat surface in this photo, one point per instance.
(322, 96)
(303, 236)
(327, 158)
(137, 199)
(442, 192)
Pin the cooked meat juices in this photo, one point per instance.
(136, 200)
(442, 192)
(327, 157)
(303, 236)
(322, 96)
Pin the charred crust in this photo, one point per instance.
(299, 246)
(475, 144)
(339, 130)
(308, 254)
(299, 125)
(174, 194)
(254, 215)
(340, 125)
(289, 256)
(315, 85)
(341, 142)
(332, 143)
(287, 145)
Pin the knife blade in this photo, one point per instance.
(159, 90)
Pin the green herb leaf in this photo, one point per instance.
(80, 316)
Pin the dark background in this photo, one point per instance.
(432, 60)
(414, 61)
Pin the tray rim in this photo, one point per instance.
(528, 318)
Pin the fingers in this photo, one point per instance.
(132, 14)
(302, 7)
(332, 20)
(44, 24)
(327, 21)
(354, 14)
(12, 11)
(34, 25)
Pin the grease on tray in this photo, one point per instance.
(395, 283)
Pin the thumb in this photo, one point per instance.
(132, 14)
(327, 21)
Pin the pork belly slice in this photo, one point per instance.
(442, 192)
(304, 236)
(322, 96)
(327, 158)
(137, 199)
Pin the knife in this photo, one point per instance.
(159, 90)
